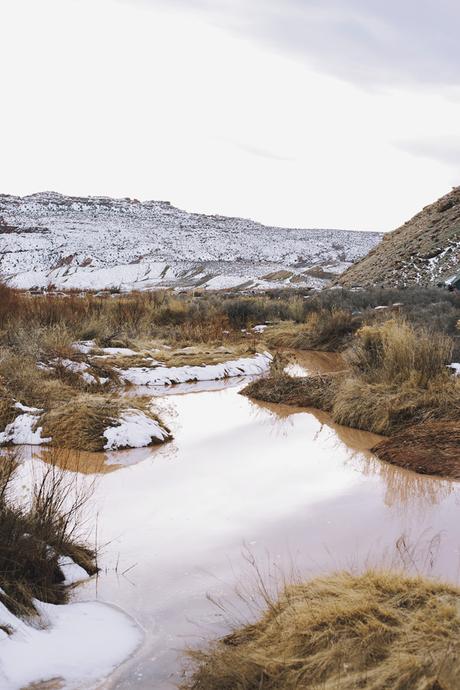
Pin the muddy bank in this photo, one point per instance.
(430, 448)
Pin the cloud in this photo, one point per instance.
(369, 42)
(444, 149)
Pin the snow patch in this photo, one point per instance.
(136, 430)
(79, 643)
(72, 572)
(165, 376)
(21, 430)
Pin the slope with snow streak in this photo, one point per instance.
(99, 242)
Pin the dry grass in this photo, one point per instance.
(430, 448)
(397, 376)
(80, 423)
(33, 536)
(312, 391)
(329, 330)
(379, 631)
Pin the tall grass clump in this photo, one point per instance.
(328, 330)
(398, 376)
(379, 630)
(37, 531)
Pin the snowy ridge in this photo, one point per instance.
(98, 242)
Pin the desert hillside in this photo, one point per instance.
(423, 251)
(99, 242)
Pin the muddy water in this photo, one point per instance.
(243, 481)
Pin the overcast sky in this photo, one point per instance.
(307, 113)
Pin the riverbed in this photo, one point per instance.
(247, 488)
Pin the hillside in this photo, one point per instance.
(98, 242)
(423, 251)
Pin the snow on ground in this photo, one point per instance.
(136, 430)
(21, 430)
(124, 351)
(456, 367)
(172, 248)
(84, 346)
(165, 376)
(79, 643)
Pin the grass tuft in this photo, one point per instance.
(34, 534)
(378, 630)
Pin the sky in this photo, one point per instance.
(298, 113)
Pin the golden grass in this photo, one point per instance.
(80, 423)
(329, 330)
(379, 631)
(397, 376)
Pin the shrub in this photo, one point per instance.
(35, 535)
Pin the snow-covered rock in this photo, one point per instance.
(98, 242)
(165, 376)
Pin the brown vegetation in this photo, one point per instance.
(329, 330)
(429, 448)
(80, 423)
(34, 536)
(312, 391)
(381, 631)
(396, 376)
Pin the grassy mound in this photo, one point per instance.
(34, 536)
(396, 377)
(80, 423)
(378, 631)
(431, 448)
(314, 391)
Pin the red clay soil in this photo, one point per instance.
(429, 448)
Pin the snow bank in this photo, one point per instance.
(79, 643)
(21, 430)
(165, 376)
(136, 430)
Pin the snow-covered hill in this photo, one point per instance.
(49, 239)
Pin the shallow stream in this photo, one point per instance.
(242, 482)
